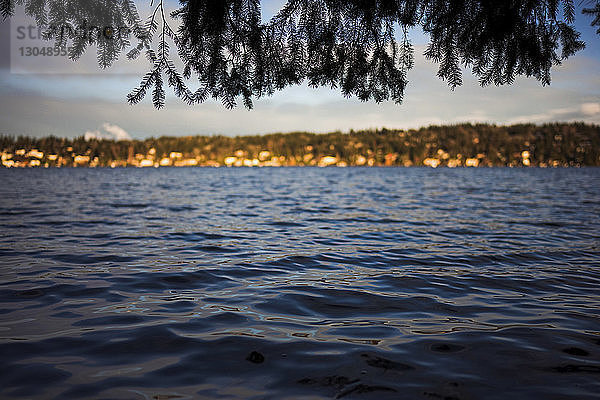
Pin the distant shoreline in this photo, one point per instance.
(130, 167)
(465, 145)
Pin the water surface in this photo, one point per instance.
(300, 283)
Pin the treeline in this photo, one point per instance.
(558, 144)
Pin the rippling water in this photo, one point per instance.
(300, 283)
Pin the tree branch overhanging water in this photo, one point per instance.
(360, 47)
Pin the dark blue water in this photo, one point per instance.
(300, 283)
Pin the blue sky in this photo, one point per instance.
(83, 99)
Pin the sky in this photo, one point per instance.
(42, 96)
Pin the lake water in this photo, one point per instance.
(366, 283)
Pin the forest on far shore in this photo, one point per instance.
(549, 145)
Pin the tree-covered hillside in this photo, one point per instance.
(560, 144)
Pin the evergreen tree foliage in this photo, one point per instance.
(360, 47)
(595, 13)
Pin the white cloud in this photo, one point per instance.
(590, 108)
(115, 130)
(582, 112)
(110, 131)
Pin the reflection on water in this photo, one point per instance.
(291, 283)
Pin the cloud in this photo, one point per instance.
(589, 112)
(115, 130)
(590, 108)
(111, 132)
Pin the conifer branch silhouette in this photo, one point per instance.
(360, 47)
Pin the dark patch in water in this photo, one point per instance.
(285, 224)
(214, 249)
(31, 293)
(335, 380)
(129, 205)
(440, 396)
(380, 362)
(573, 369)
(446, 347)
(255, 357)
(576, 351)
(362, 388)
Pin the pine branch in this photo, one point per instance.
(349, 45)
